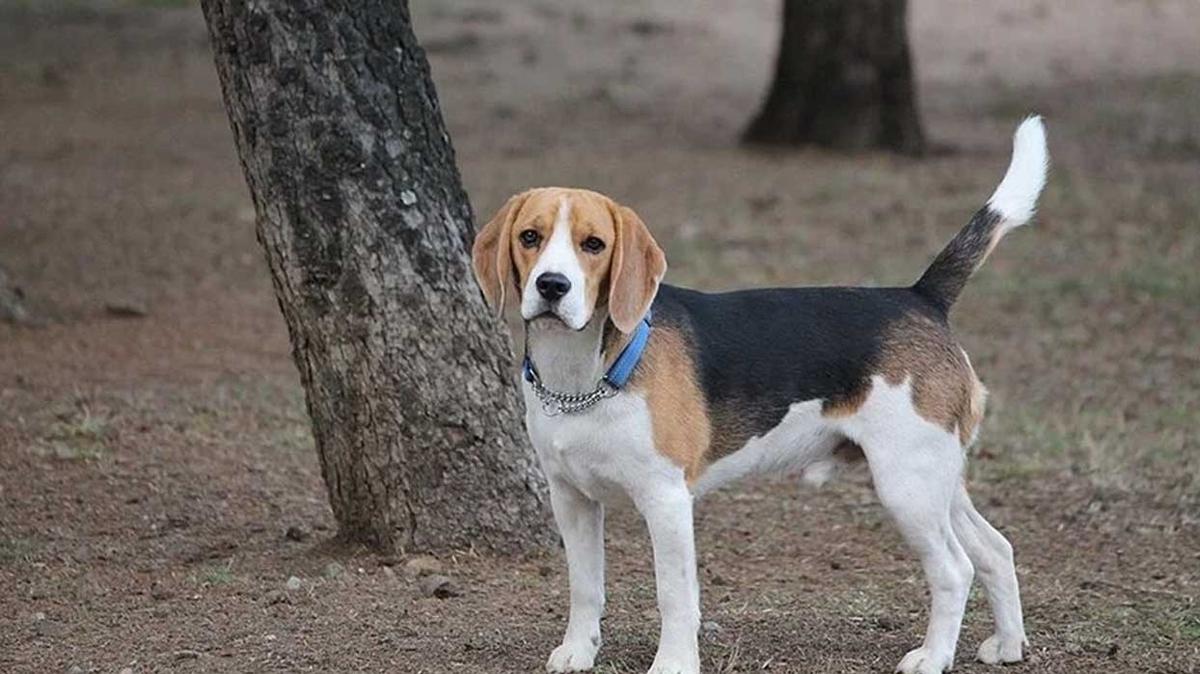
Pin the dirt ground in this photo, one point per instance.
(161, 507)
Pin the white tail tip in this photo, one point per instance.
(1016, 197)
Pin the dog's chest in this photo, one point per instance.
(607, 451)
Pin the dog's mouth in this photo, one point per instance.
(549, 319)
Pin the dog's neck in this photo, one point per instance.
(570, 361)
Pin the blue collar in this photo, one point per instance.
(621, 370)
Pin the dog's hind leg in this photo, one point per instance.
(916, 468)
(913, 488)
(992, 556)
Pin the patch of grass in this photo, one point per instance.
(80, 435)
(858, 606)
(1189, 625)
(1110, 446)
(15, 550)
(1162, 282)
(1010, 103)
(1152, 278)
(296, 437)
(216, 575)
(1159, 126)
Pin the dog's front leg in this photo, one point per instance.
(581, 523)
(668, 513)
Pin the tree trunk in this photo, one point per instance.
(367, 228)
(843, 79)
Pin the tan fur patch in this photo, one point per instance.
(920, 348)
(942, 380)
(945, 389)
(968, 425)
(678, 412)
(844, 406)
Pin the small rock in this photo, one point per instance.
(763, 203)
(158, 592)
(408, 198)
(296, 533)
(648, 27)
(334, 570)
(52, 76)
(710, 628)
(49, 628)
(887, 624)
(438, 586)
(39, 617)
(422, 566)
(186, 654)
(12, 301)
(126, 670)
(126, 309)
(294, 584)
(389, 572)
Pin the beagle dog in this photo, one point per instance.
(640, 391)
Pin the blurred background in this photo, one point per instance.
(161, 506)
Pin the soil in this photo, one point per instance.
(161, 506)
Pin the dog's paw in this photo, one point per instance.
(572, 657)
(998, 650)
(924, 661)
(672, 665)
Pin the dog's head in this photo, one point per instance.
(567, 252)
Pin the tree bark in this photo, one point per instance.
(843, 79)
(367, 229)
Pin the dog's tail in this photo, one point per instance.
(1011, 206)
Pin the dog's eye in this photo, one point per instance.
(530, 238)
(592, 245)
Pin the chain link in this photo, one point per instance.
(555, 403)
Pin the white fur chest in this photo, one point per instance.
(607, 451)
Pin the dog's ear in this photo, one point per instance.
(491, 256)
(638, 264)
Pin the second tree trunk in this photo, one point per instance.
(843, 79)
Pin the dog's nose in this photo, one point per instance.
(553, 285)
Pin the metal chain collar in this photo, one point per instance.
(555, 403)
